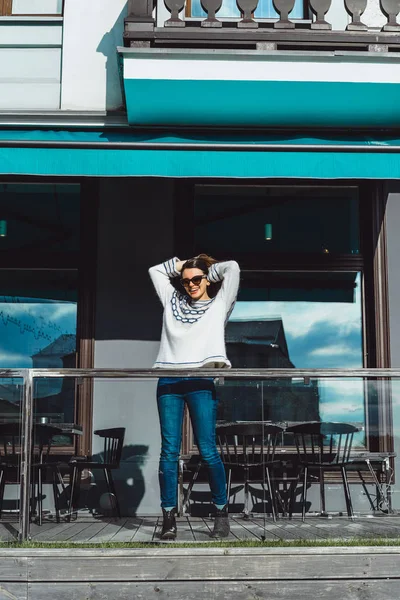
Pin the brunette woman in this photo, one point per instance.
(193, 336)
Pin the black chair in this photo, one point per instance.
(250, 449)
(10, 437)
(112, 451)
(43, 440)
(322, 447)
(193, 466)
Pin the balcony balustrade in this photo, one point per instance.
(173, 22)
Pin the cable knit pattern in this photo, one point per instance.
(193, 333)
(185, 311)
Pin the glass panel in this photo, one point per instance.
(39, 217)
(300, 320)
(393, 400)
(265, 10)
(133, 406)
(56, 437)
(38, 316)
(279, 220)
(11, 393)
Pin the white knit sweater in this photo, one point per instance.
(193, 333)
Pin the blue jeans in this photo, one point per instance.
(199, 395)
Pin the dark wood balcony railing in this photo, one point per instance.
(181, 29)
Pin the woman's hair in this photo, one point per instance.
(203, 262)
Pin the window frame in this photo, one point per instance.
(5, 8)
(371, 261)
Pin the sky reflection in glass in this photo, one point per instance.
(320, 335)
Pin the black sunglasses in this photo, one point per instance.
(196, 280)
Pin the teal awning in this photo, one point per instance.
(113, 153)
(219, 87)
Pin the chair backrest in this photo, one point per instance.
(113, 444)
(323, 442)
(247, 444)
(11, 434)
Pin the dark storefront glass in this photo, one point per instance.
(38, 305)
(261, 220)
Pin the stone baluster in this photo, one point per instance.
(175, 7)
(391, 8)
(283, 8)
(356, 8)
(320, 8)
(247, 8)
(139, 16)
(211, 7)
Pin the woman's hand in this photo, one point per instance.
(179, 264)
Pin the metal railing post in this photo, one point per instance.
(26, 456)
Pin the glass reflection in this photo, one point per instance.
(297, 320)
(38, 330)
(306, 320)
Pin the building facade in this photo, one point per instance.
(134, 131)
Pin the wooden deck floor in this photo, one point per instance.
(196, 529)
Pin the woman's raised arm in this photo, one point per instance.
(229, 274)
(162, 274)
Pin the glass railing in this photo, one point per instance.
(13, 467)
(294, 443)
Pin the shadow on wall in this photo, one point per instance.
(108, 47)
(129, 484)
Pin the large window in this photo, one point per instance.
(40, 232)
(304, 295)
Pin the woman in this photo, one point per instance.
(193, 336)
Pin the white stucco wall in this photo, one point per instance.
(92, 31)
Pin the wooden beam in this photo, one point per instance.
(338, 590)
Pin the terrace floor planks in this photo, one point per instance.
(87, 529)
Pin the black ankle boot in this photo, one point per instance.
(168, 531)
(221, 523)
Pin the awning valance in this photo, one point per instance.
(104, 153)
(173, 87)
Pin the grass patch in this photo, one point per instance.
(348, 542)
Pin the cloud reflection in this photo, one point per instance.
(27, 325)
(321, 335)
